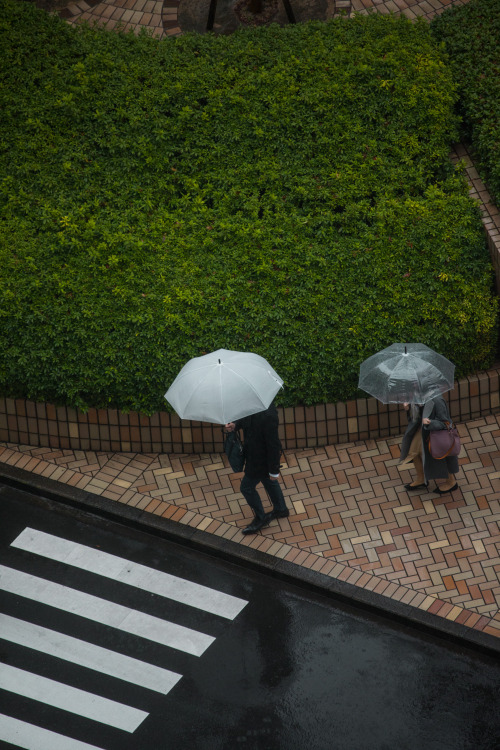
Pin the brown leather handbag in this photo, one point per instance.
(443, 443)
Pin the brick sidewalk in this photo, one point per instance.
(410, 8)
(350, 516)
(160, 17)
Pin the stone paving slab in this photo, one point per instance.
(350, 517)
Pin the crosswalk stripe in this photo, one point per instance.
(70, 699)
(103, 611)
(30, 737)
(87, 655)
(125, 571)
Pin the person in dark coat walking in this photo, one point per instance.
(262, 464)
(421, 420)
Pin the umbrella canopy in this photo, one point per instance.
(223, 386)
(405, 373)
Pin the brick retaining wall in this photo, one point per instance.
(41, 424)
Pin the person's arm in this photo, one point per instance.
(439, 415)
(238, 425)
(406, 407)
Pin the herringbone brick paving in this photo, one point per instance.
(350, 516)
(160, 17)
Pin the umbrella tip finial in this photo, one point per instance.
(406, 352)
(219, 361)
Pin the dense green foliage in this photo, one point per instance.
(471, 34)
(285, 191)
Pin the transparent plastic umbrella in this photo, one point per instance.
(223, 386)
(405, 373)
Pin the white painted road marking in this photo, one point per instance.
(31, 737)
(87, 655)
(134, 574)
(105, 612)
(70, 699)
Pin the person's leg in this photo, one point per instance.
(273, 489)
(419, 470)
(415, 449)
(419, 479)
(249, 492)
(449, 484)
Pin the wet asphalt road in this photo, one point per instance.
(290, 671)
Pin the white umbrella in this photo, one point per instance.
(223, 386)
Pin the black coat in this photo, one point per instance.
(262, 443)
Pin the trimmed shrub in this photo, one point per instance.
(282, 190)
(471, 36)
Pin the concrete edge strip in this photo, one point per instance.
(230, 551)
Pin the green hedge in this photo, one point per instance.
(471, 35)
(283, 190)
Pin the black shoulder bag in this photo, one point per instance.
(234, 450)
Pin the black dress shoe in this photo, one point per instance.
(280, 513)
(444, 492)
(411, 486)
(258, 524)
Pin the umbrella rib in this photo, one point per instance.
(417, 375)
(224, 420)
(189, 372)
(195, 389)
(247, 382)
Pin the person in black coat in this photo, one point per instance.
(262, 464)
